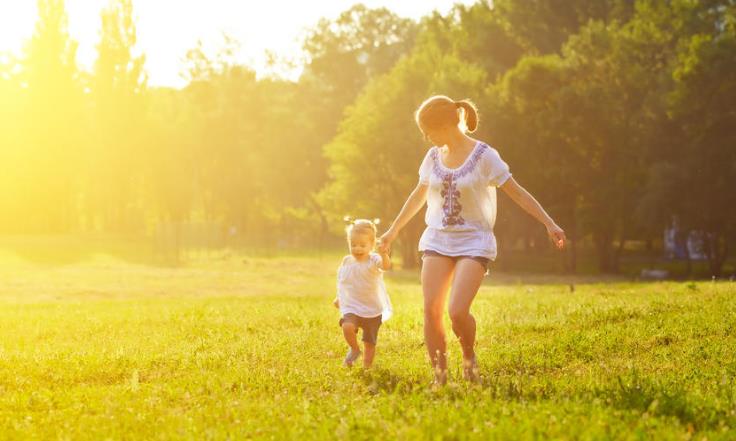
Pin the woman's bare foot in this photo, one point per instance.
(440, 377)
(470, 369)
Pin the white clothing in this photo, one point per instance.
(360, 288)
(461, 202)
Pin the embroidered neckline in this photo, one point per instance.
(442, 171)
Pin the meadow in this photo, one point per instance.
(235, 347)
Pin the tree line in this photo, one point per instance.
(617, 114)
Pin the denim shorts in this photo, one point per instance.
(369, 325)
(482, 260)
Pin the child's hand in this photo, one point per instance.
(336, 302)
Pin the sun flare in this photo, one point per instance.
(165, 40)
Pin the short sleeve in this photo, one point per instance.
(496, 170)
(341, 267)
(376, 261)
(426, 168)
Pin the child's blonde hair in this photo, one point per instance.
(361, 226)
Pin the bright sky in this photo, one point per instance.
(168, 28)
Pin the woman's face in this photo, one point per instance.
(435, 135)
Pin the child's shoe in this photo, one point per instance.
(351, 357)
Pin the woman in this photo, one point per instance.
(458, 179)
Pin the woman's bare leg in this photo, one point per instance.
(436, 275)
(468, 278)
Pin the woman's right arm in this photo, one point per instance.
(413, 204)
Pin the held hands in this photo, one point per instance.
(557, 235)
(384, 242)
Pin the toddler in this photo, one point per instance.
(361, 293)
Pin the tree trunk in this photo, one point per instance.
(177, 242)
(409, 242)
(716, 254)
(688, 260)
(324, 223)
(603, 249)
(615, 267)
(407, 254)
(572, 260)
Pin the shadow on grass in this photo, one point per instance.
(655, 398)
(497, 387)
(647, 396)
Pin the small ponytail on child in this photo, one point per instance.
(359, 226)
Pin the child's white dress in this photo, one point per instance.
(461, 202)
(360, 288)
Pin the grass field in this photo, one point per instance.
(239, 348)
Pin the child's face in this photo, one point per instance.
(361, 244)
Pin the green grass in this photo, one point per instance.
(237, 348)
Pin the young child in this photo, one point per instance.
(361, 293)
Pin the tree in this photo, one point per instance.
(703, 162)
(590, 118)
(482, 36)
(117, 155)
(544, 25)
(13, 102)
(376, 154)
(532, 120)
(342, 55)
(225, 105)
(52, 125)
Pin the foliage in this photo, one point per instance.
(616, 114)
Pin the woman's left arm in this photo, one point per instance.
(526, 201)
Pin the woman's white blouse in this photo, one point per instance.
(361, 290)
(461, 202)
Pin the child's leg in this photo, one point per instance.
(350, 332)
(368, 354)
(370, 337)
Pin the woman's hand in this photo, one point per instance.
(384, 243)
(413, 204)
(518, 194)
(557, 235)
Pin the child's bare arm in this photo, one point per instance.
(385, 259)
(336, 302)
